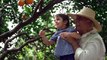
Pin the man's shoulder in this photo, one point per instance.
(95, 37)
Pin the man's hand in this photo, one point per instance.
(65, 35)
(68, 35)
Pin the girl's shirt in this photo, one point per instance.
(62, 46)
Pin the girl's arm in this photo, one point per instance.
(45, 39)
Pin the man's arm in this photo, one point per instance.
(72, 38)
(73, 42)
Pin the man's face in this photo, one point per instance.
(82, 24)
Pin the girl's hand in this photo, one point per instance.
(42, 33)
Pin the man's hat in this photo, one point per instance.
(88, 13)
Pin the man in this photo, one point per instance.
(91, 46)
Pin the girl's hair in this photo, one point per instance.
(64, 17)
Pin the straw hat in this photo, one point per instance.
(88, 13)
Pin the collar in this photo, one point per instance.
(63, 29)
(88, 33)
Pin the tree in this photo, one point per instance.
(22, 42)
(10, 13)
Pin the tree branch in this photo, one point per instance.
(7, 41)
(6, 52)
(31, 19)
(4, 6)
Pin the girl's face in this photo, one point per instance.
(59, 23)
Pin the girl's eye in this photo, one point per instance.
(57, 19)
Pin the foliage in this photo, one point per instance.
(9, 12)
(106, 58)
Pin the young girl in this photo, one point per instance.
(63, 49)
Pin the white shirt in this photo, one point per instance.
(91, 47)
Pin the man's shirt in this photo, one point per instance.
(91, 47)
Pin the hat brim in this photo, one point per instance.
(96, 23)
